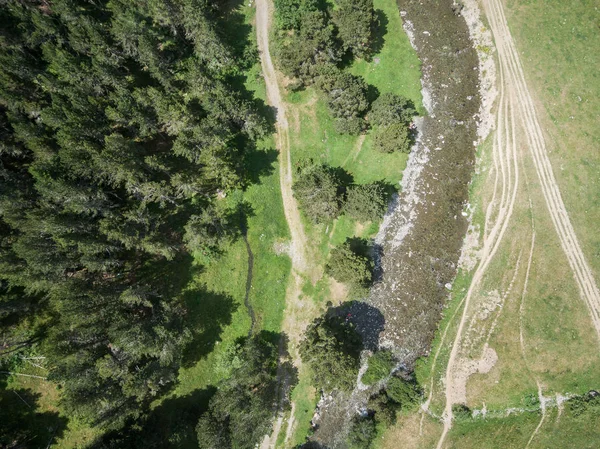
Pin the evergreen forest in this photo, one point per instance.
(122, 125)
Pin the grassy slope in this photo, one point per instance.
(395, 68)
(557, 41)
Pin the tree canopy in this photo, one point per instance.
(350, 263)
(331, 346)
(120, 123)
(240, 412)
(318, 189)
(366, 202)
(355, 22)
(391, 108)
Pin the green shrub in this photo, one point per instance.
(393, 137)
(461, 412)
(380, 365)
(403, 392)
(589, 402)
(347, 100)
(390, 108)
(318, 190)
(331, 346)
(301, 53)
(366, 202)
(362, 433)
(349, 266)
(355, 21)
(353, 126)
(384, 408)
(290, 14)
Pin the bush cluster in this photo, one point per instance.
(461, 412)
(331, 347)
(362, 432)
(366, 202)
(350, 265)
(311, 43)
(325, 192)
(589, 402)
(380, 365)
(390, 116)
(319, 190)
(398, 394)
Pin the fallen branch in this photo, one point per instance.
(24, 375)
(21, 398)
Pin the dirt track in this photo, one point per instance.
(298, 237)
(509, 59)
(516, 106)
(295, 313)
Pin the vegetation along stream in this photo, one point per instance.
(421, 237)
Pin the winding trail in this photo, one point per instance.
(506, 164)
(515, 103)
(298, 243)
(295, 313)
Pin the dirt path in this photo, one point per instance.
(506, 165)
(298, 237)
(296, 311)
(515, 105)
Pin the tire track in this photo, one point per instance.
(515, 99)
(249, 275)
(535, 139)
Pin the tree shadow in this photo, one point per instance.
(208, 314)
(345, 178)
(171, 277)
(22, 425)
(311, 445)
(360, 246)
(171, 425)
(287, 372)
(235, 32)
(259, 163)
(379, 31)
(377, 253)
(372, 93)
(368, 321)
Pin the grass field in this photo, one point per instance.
(396, 69)
(557, 41)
